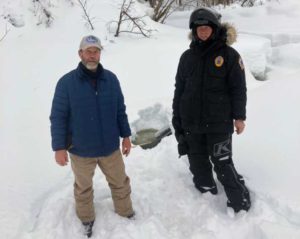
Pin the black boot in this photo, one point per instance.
(131, 216)
(213, 189)
(234, 186)
(88, 228)
(237, 208)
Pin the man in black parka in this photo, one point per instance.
(209, 102)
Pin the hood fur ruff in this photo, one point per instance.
(230, 32)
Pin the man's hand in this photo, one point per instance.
(126, 146)
(61, 157)
(239, 126)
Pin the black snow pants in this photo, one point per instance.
(204, 149)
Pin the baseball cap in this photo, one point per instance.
(90, 41)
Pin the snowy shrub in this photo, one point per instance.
(128, 21)
(42, 12)
(15, 20)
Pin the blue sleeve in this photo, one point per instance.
(59, 116)
(121, 114)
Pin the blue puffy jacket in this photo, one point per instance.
(85, 120)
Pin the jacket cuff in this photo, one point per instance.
(58, 148)
(239, 117)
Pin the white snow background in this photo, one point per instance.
(36, 199)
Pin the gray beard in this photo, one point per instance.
(90, 66)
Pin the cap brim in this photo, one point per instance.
(91, 45)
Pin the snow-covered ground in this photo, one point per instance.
(37, 195)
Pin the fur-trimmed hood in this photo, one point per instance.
(227, 31)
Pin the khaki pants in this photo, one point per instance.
(113, 168)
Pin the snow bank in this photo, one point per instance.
(256, 52)
(286, 56)
(279, 21)
(156, 117)
(272, 139)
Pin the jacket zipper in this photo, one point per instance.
(202, 85)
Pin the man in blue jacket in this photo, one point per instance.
(88, 117)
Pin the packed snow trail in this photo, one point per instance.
(167, 206)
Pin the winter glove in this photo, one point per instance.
(182, 145)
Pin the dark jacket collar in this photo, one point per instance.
(85, 73)
(203, 48)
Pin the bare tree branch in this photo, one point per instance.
(249, 3)
(5, 34)
(159, 5)
(161, 8)
(136, 24)
(86, 15)
(120, 19)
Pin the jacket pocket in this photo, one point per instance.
(219, 109)
(216, 77)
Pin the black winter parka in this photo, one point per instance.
(210, 89)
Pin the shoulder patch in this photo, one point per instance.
(241, 63)
(219, 60)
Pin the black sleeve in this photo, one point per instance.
(179, 87)
(237, 87)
